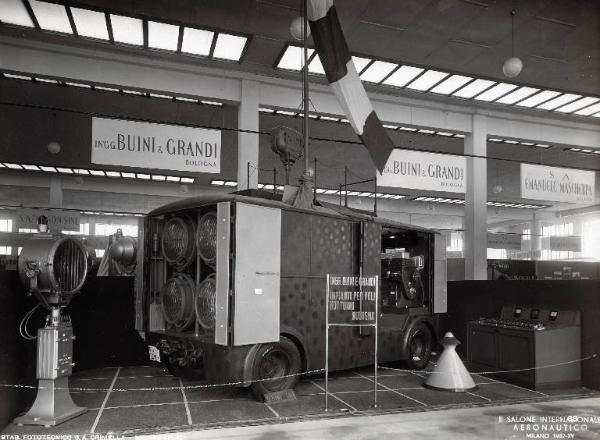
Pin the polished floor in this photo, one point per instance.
(147, 400)
(480, 423)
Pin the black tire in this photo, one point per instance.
(419, 346)
(273, 361)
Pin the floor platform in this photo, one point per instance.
(145, 400)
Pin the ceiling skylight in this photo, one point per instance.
(402, 76)
(159, 95)
(443, 83)
(14, 12)
(495, 92)
(163, 36)
(517, 95)
(360, 63)
(474, 88)
(106, 89)
(577, 105)
(90, 24)
(127, 30)
(451, 84)
(558, 102)
(47, 80)
(315, 66)
(427, 80)
(196, 41)
(377, 71)
(292, 58)
(75, 84)
(589, 110)
(538, 98)
(185, 99)
(16, 76)
(51, 17)
(229, 47)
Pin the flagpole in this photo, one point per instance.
(305, 83)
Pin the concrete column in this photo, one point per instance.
(248, 142)
(475, 237)
(56, 192)
(536, 238)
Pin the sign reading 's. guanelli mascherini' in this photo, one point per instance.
(557, 184)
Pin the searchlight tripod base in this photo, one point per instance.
(53, 404)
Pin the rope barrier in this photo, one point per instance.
(587, 358)
(320, 370)
(187, 387)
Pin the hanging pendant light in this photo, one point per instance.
(296, 28)
(513, 65)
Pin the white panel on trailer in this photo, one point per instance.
(440, 274)
(257, 274)
(222, 261)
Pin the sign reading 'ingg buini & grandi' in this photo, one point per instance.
(160, 146)
(423, 170)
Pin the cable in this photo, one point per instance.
(26, 322)
(23, 325)
(239, 130)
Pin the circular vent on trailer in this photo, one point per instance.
(205, 302)
(178, 244)
(178, 301)
(207, 238)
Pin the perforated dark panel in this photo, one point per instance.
(312, 247)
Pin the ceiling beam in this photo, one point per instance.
(143, 71)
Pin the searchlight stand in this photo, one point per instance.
(53, 404)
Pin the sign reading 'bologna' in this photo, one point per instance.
(145, 145)
(427, 171)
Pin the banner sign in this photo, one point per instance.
(58, 219)
(352, 299)
(146, 145)
(426, 171)
(540, 182)
(565, 243)
(504, 241)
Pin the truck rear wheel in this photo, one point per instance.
(275, 367)
(419, 346)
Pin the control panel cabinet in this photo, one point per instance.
(529, 347)
(55, 352)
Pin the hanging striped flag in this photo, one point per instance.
(340, 71)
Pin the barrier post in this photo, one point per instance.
(376, 334)
(327, 344)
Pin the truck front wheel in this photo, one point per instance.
(276, 367)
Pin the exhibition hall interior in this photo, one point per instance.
(300, 219)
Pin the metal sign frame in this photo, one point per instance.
(328, 324)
